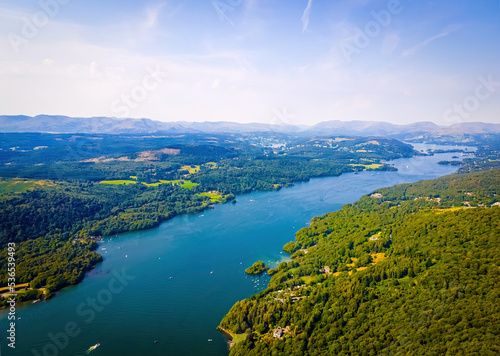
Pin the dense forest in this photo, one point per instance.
(412, 269)
(59, 194)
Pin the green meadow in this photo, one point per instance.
(215, 197)
(187, 184)
(183, 183)
(118, 182)
(17, 186)
(368, 166)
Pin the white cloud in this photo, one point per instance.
(411, 51)
(216, 83)
(152, 14)
(222, 14)
(306, 16)
(114, 73)
(94, 70)
(80, 70)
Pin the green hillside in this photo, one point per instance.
(409, 270)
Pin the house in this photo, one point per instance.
(278, 332)
(326, 270)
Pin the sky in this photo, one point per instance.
(282, 62)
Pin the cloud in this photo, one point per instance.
(306, 15)
(216, 83)
(411, 51)
(152, 14)
(48, 61)
(221, 14)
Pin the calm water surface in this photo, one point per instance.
(176, 282)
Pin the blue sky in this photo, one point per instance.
(269, 61)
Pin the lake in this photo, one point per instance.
(173, 284)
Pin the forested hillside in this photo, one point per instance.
(413, 269)
(61, 193)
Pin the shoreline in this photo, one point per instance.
(209, 206)
(228, 336)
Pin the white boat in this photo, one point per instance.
(92, 348)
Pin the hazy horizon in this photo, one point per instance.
(256, 122)
(252, 61)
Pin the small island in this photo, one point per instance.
(258, 267)
(450, 163)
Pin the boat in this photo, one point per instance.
(92, 348)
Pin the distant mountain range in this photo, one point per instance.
(107, 125)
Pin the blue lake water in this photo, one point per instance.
(173, 284)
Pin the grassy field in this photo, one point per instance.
(215, 197)
(152, 184)
(239, 337)
(443, 211)
(378, 257)
(212, 165)
(368, 166)
(191, 170)
(405, 281)
(308, 279)
(18, 286)
(14, 186)
(183, 183)
(118, 182)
